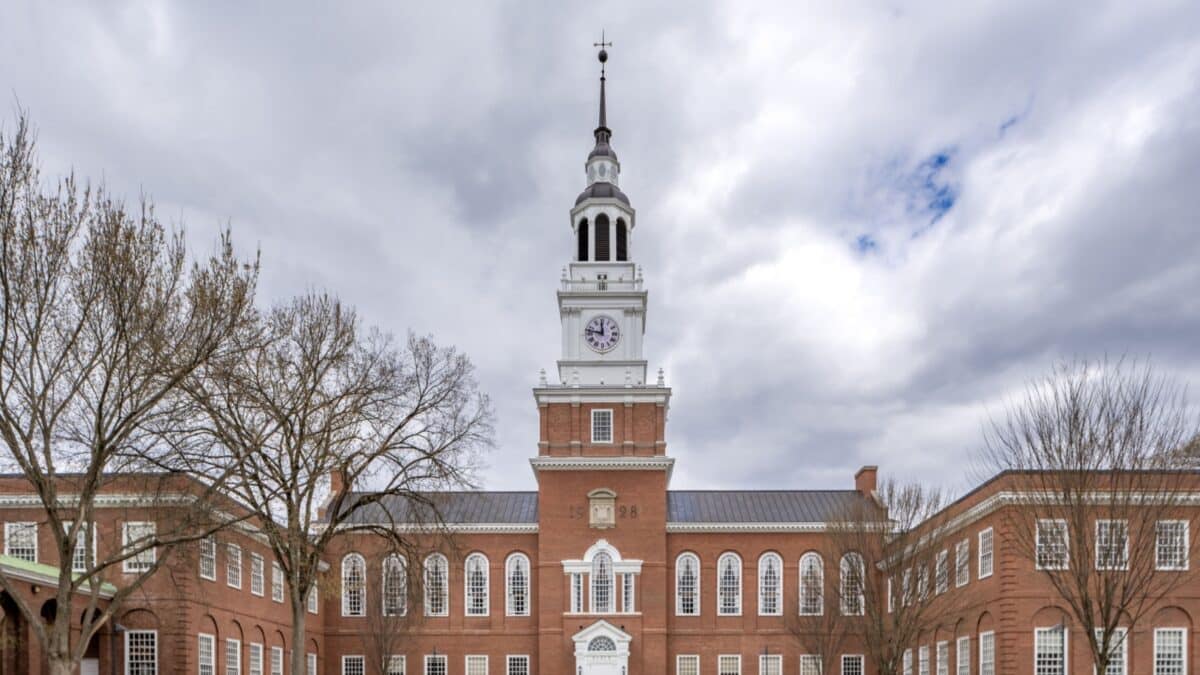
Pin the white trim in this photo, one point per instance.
(716, 528)
(696, 559)
(387, 663)
(467, 660)
(959, 661)
(276, 651)
(358, 560)
(1125, 553)
(51, 579)
(425, 567)
(962, 560)
(737, 657)
(487, 585)
(346, 657)
(1066, 543)
(1187, 533)
(508, 662)
(517, 557)
(1187, 657)
(225, 656)
(602, 463)
(262, 574)
(1066, 649)
(133, 564)
(740, 583)
(611, 426)
(693, 657)
(991, 532)
(384, 586)
(9, 527)
(763, 658)
(778, 583)
(444, 659)
(1124, 633)
(209, 541)
(988, 634)
(230, 558)
(212, 652)
(813, 555)
(862, 662)
(130, 633)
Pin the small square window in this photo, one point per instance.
(602, 426)
(20, 541)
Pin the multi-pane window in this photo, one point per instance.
(906, 662)
(310, 663)
(602, 583)
(1053, 549)
(233, 565)
(851, 588)
(1171, 544)
(256, 574)
(256, 658)
(435, 664)
(354, 665)
(476, 581)
(395, 665)
(576, 592)
(20, 541)
(233, 656)
(206, 654)
(962, 656)
(852, 664)
(962, 563)
(602, 427)
(517, 665)
(770, 588)
(208, 558)
(516, 576)
(354, 585)
(812, 585)
(942, 573)
(987, 653)
(312, 600)
(729, 585)
(141, 652)
(276, 660)
(923, 660)
(79, 556)
(687, 585)
(810, 664)
(770, 664)
(276, 582)
(395, 586)
(922, 583)
(627, 581)
(729, 664)
(985, 553)
(1117, 656)
(943, 658)
(1050, 651)
(437, 590)
(1112, 544)
(476, 665)
(687, 664)
(906, 587)
(1170, 651)
(138, 536)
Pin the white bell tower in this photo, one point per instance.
(601, 302)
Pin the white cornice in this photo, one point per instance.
(614, 393)
(745, 527)
(51, 580)
(603, 464)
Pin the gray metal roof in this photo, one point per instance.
(456, 508)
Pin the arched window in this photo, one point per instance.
(729, 585)
(602, 644)
(770, 585)
(437, 591)
(812, 585)
(851, 588)
(516, 572)
(395, 586)
(602, 238)
(622, 240)
(602, 583)
(354, 585)
(687, 585)
(476, 579)
(582, 253)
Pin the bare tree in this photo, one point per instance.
(102, 318)
(1093, 452)
(324, 405)
(886, 581)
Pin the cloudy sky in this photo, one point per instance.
(863, 228)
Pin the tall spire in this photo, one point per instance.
(602, 133)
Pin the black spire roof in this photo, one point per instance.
(603, 133)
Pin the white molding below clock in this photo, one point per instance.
(604, 464)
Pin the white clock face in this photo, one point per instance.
(602, 333)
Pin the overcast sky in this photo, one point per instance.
(862, 228)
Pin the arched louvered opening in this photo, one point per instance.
(582, 253)
(602, 238)
(622, 240)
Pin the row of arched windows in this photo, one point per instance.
(603, 244)
(435, 586)
(770, 584)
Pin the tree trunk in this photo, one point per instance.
(299, 645)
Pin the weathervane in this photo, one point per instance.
(603, 56)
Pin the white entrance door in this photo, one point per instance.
(89, 667)
(601, 666)
(602, 649)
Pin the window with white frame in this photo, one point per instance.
(20, 541)
(256, 574)
(922, 583)
(906, 662)
(942, 573)
(1112, 544)
(255, 656)
(962, 563)
(770, 664)
(437, 590)
(602, 426)
(208, 558)
(233, 656)
(770, 586)
(687, 664)
(476, 665)
(79, 555)
(395, 586)
(729, 664)
(943, 658)
(986, 553)
(923, 660)
(852, 664)
(310, 662)
(276, 660)
(354, 664)
(206, 654)
(1053, 549)
(395, 665)
(518, 664)
(891, 605)
(987, 653)
(851, 584)
(729, 585)
(138, 536)
(1170, 651)
(687, 585)
(476, 583)
(233, 565)
(576, 592)
(1171, 545)
(1050, 651)
(141, 652)
(810, 664)
(812, 585)
(312, 600)
(906, 588)
(276, 582)
(435, 664)
(602, 583)
(627, 592)
(962, 656)
(354, 585)
(516, 579)
(1117, 656)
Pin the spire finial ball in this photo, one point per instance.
(603, 56)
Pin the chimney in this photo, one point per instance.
(864, 480)
(337, 483)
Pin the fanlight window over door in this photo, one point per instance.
(602, 644)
